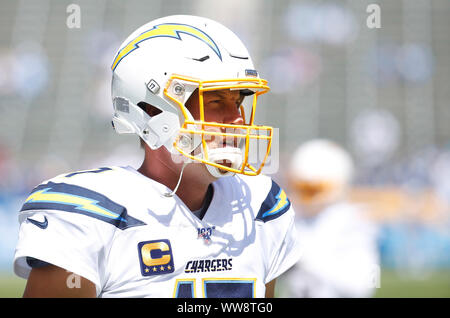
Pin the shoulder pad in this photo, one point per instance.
(75, 199)
(275, 204)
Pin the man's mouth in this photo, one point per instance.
(229, 144)
(225, 163)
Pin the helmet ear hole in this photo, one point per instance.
(149, 109)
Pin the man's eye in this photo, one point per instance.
(216, 103)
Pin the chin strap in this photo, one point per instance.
(172, 193)
(234, 155)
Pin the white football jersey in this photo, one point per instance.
(114, 227)
(340, 255)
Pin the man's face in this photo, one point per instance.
(220, 106)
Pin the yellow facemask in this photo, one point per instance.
(245, 135)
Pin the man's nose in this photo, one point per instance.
(234, 116)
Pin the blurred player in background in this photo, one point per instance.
(196, 219)
(340, 257)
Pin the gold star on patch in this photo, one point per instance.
(169, 267)
(147, 270)
(155, 269)
(161, 268)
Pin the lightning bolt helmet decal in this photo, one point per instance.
(171, 30)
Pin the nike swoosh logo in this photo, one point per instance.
(43, 225)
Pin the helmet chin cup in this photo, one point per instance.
(229, 155)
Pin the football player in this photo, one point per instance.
(340, 256)
(197, 219)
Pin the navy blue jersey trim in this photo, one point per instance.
(36, 263)
(275, 204)
(75, 199)
(99, 170)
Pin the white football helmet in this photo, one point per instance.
(320, 171)
(162, 63)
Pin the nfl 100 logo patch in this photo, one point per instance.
(155, 257)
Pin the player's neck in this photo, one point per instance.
(192, 194)
(194, 183)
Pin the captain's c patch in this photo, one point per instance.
(155, 257)
(275, 204)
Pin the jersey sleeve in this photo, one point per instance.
(67, 226)
(280, 235)
(67, 241)
(287, 252)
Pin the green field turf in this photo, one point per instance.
(11, 286)
(392, 285)
(436, 284)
